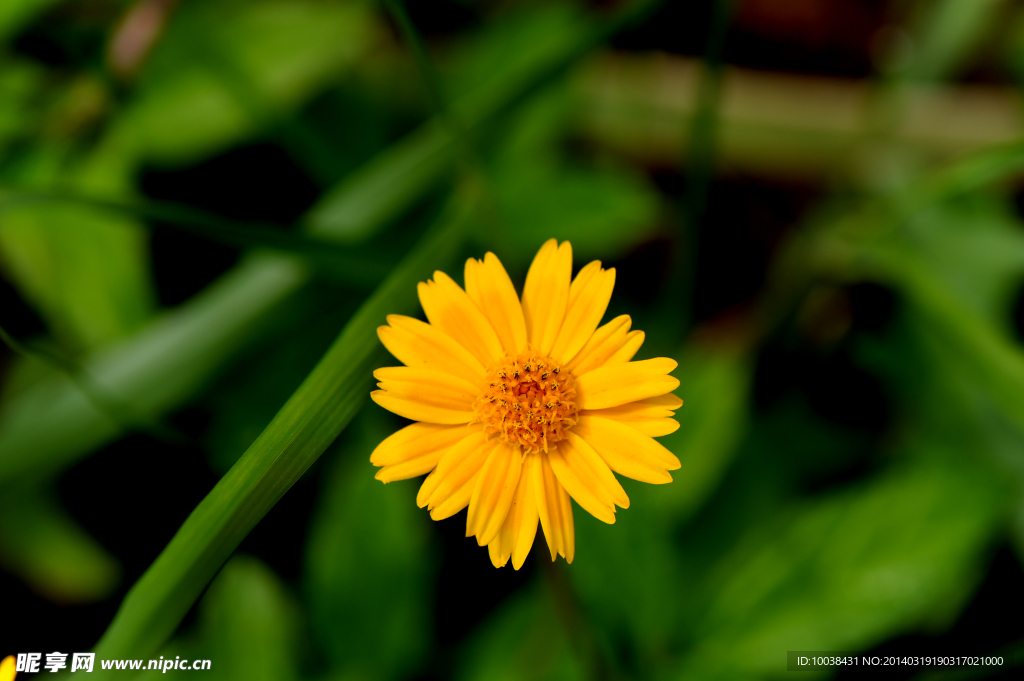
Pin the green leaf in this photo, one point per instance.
(524, 639)
(52, 423)
(249, 627)
(20, 83)
(14, 14)
(249, 624)
(894, 555)
(948, 32)
(302, 429)
(975, 246)
(227, 69)
(368, 564)
(602, 213)
(47, 549)
(86, 272)
(388, 185)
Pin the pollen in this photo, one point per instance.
(523, 406)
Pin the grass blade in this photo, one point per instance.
(306, 425)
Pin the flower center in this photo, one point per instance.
(529, 401)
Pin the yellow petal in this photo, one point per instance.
(587, 479)
(612, 385)
(588, 299)
(652, 416)
(554, 510)
(668, 401)
(470, 446)
(416, 410)
(546, 294)
(449, 309)
(634, 339)
(425, 395)
(520, 527)
(662, 406)
(523, 513)
(451, 484)
(492, 495)
(415, 450)
(603, 343)
(488, 285)
(418, 344)
(654, 427)
(626, 450)
(501, 548)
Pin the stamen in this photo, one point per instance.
(540, 411)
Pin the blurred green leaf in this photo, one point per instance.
(249, 627)
(547, 42)
(976, 247)
(250, 624)
(948, 31)
(46, 548)
(20, 82)
(53, 422)
(542, 194)
(229, 68)
(86, 272)
(958, 274)
(524, 640)
(14, 14)
(307, 424)
(893, 555)
(368, 566)
(602, 213)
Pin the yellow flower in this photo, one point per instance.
(521, 406)
(7, 672)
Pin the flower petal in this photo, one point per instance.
(652, 416)
(415, 450)
(488, 285)
(587, 479)
(612, 385)
(420, 345)
(449, 309)
(626, 450)
(589, 295)
(546, 294)
(654, 427)
(416, 410)
(425, 394)
(603, 343)
(501, 548)
(554, 510)
(523, 513)
(492, 495)
(662, 406)
(634, 339)
(448, 489)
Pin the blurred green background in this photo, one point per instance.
(815, 206)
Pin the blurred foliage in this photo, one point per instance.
(370, 573)
(801, 517)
